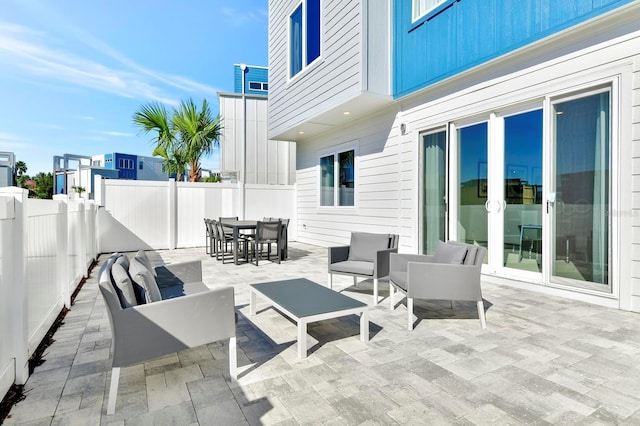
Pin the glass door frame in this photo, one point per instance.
(612, 87)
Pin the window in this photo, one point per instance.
(337, 167)
(124, 163)
(141, 165)
(255, 85)
(304, 36)
(421, 7)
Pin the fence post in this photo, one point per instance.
(173, 213)
(19, 306)
(62, 242)
(98, 190)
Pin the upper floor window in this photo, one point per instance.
(337, 179)
(304, 35)
(421, 7)
(256, 85)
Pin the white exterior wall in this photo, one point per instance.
(267, 161)
(335, 78)
(388, 168)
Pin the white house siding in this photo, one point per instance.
(387, 165)
(335, 78)
(378, 177)
(266, 161)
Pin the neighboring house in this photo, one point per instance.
(79, 170)
(509, 124)
(246, 154)
(7, 169)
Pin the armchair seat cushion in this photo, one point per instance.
(399, 278)
(357, 267)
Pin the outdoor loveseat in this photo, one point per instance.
(366, 256)
(162, 310)
(452, 273)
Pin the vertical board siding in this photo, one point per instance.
(336, 77)
(471, 32)
(265, 160)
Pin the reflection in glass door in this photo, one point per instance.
(434, 183)
(580, 194)
(473, 190)
(522, 213)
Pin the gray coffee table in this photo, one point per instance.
(305, 301)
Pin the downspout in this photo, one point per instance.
(243, 68)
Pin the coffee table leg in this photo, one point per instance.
(252, 302)
(364, 326)
(302, 339)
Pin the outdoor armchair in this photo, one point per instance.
(185, 316)
(452, 273)
(367, 256)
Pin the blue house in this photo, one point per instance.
(79, 170)
(250, 79)
(510, 124)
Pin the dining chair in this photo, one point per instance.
(266, 233)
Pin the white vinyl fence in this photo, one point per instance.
(166, 215)
(46, 247)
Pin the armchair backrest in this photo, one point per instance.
(364, 245)
(475, 254)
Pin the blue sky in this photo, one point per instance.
(72, 72)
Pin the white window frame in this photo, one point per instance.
(335, 152)
(305, 66)
(416, 13)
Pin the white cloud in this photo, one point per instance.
(114, 133)
(9, 142)
(87, 117)
(29, 52)
(241, 18)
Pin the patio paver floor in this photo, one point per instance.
(541, 360)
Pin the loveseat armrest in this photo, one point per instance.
(338, 254)
(155, 329)
(443, 281)
(381, 265)
(179, 273)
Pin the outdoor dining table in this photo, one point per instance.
(237, 226)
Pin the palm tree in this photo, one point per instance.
(21, 167)
(184, 137)
(154, 117)
(198, 131)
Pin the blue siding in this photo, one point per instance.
(126, 173)
(461, 34)
(252, 74)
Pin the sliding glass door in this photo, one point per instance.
(580, 193)
(532, 184)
